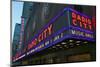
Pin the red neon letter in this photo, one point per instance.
(50, 29)
(45, 33)
(74, 22)
(89, 21)
(73, 15)
(40, 38)
(34, 42)
(29, 46)
(83, 19)
(78, 17)
(90, 26)
(80, 24)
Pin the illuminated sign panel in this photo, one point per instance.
(67, 24)
(82, 21)
(81, 26)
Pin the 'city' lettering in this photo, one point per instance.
(47, 32)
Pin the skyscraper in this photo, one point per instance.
(16, 38)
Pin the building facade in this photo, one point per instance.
(27, 9)
(16, 39)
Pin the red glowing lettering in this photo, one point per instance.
(81, 21)
(34, 42)
(89, 21)
(50, 29)
(45, 31)
(41, 37)
(30, 46)
(78, 18)
(90, 27)
(74, 22)
(73, 15)
(80, 24)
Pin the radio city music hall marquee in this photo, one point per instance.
(78, 26)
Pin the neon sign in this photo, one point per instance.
(81, 21)
(47, 32)
(81, 25)
(75, 26)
